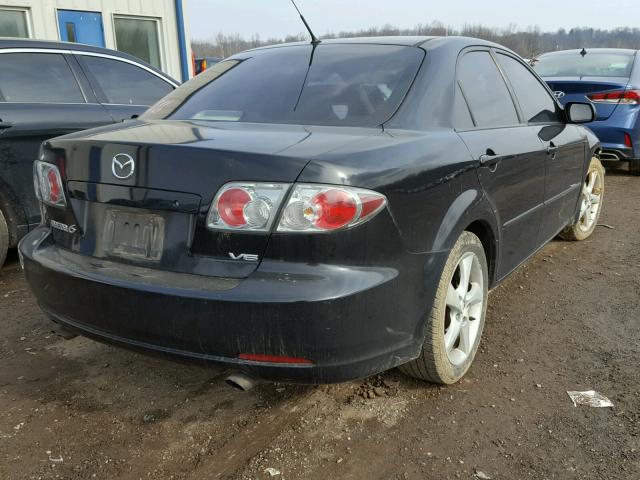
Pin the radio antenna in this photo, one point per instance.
(314, 39)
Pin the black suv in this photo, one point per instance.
(49, 89)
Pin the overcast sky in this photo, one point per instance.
(277, 18)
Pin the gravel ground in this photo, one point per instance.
(567, 320)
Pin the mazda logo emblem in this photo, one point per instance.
(558, 94)
(123, 166)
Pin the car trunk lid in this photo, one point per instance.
(139, 193)
(578, 89)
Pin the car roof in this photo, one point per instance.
(628, 51)
(426, 42)
(6, 43)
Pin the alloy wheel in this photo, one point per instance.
(591, 198)
(464, 307)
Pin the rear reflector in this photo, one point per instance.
(629, 97)
(257, 357)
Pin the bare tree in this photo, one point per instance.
(528, 42)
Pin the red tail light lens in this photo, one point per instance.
(246, 206)
(323, 208)
(231, 206)
(334, 208)
(48, 184)
(629, 97)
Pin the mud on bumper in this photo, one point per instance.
(350, 322)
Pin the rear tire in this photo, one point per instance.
(634, 167)
(455, 323)
(591, 198)
(4, 238)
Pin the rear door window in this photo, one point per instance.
(123, 83)
(37, 78)
(485, 91)
(535, 101)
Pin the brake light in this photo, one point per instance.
(309, 208)
(48, 184)
(246, 206)
(231, 206)
(629, 97)
(322, 208)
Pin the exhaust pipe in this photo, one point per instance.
(240, 381)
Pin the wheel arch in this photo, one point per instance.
(484, 231)
(471, 211)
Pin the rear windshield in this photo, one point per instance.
(572, 64)
(350, 85)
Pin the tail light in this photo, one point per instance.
(322, 208)
(240, 206)
(246, 206)
(629, 97)
(48, 184)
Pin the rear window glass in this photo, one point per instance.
(349, 85)
(572, 64)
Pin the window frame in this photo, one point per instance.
(559, 110)
(158, 25)
(27, 17)
(74, 73)
(516, 104)
(101, 96)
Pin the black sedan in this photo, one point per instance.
(315, 213)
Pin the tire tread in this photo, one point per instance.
(428, 365)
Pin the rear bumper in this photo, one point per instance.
(611, 133)
(351, 322)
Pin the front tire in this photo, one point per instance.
(455, 323)
(591, 198)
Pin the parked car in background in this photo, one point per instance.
(610, 79)
(201, 64)
(49, 89)
(351, 220)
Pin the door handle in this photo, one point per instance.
(552, 150)
(488, 160)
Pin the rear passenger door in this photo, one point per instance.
(564, 144)
(123, 87)
(511, 158)
(41, 97)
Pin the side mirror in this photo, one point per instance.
(578, 112)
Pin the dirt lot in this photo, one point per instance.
(568, 320)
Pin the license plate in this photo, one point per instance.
(138, 236)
